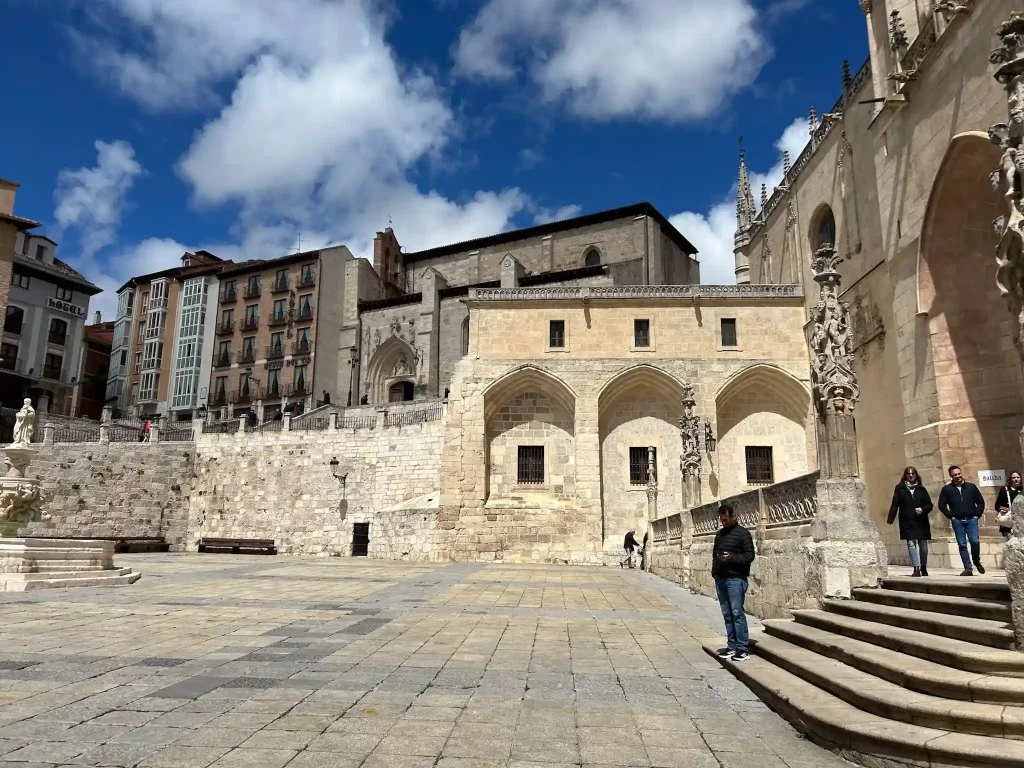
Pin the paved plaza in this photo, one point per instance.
(310, 663)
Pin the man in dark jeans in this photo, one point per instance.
(730, 566)
(963, 504)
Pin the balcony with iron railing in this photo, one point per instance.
(278, 318)
(280, 284)
(274, 391)
(226, 326)
(228, 294)
(250, 323)
(244, 395)
(304, 313)
(294, 390)
(301, 347)
(57, 339)
(251, 291)
(219, 398)
(54, 373)
(307, 279)
(246, 355)
(221, 359)
(275, 351)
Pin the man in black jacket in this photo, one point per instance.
(730, 566)
(963, 504)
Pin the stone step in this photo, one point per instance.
(12, 583)
(942, 650)
(992, 633)
(989, 610)
(910, 672)
(67, 567)
(979, 587)
(885, 699)
(842, 726)
(75, 574)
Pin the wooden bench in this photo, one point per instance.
(141, 544)
(238, 546)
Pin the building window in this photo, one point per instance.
(760, 467)
(220, 390)
(302, 345)
(64, 294)
(531, 464)
(52, 365)
(592, 258)
(40, 252)
(19, 280)
(400, 392)
(279, 311)
(277, 344)
(729, 338)
(58, 332)
(556, 334)
(244, 388)
(274, 383)
(641, 333)
(824, 232)
(252, 317)
(465, 336)
(308, 274)
(638, 466)
(14, 320)
(306, 306)
(8, 356)
(253, 287)
(299, 380)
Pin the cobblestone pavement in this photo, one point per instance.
(267, 662)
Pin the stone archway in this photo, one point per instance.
(765, 411)
(638, 408)
(978, 405)
(393, 361)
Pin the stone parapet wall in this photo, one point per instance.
(115, 489)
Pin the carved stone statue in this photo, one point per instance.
(690, 456)
(832, 373)
(401, 368)
(24, 424)
(1009, 178)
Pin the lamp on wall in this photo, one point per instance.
(341, 477)
(709, 437)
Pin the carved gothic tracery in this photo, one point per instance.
(689, 432)
(1009, 178)
(832, 374)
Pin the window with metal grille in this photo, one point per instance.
(531, 464)
(729, 338)
(638, 465)
(641, 333)
(556, 334)
(760, 467)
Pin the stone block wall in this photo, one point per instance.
(532, 419)
(116, 489)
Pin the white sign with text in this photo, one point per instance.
(992, 478)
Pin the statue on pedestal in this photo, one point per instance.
(24, 424)
(690, 459)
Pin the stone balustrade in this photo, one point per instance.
(632, 292)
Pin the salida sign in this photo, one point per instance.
(64, 306)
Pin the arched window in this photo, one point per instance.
(592, 258)
(400, 391)
(465, 336)
(824, 230)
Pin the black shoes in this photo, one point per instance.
(980, 567)
(740, 656)
(917, 572)
(924, 570)
(967, 573)
(725, 653)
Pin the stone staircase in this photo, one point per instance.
(922, 672)
(30, 564)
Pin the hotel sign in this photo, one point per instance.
(64, 306)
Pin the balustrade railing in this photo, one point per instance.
(792, 502)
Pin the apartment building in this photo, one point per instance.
(44, 319)
(277, 333)
(162, 335)
(10, 227)
(90, 391)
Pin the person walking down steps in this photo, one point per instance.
(912, 504)
(963, 504)
(731, 557)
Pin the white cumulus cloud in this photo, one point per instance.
(712, 232)
(679, 60)
(91, 201)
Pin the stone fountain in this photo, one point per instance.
(37, 563)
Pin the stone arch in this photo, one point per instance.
(967, 345)
(393, 360)
(592, 257)
(762, 406)
(638, 407)
(530, 407)
(823, 228)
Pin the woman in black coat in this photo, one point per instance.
(1005, 499)
(912, 504)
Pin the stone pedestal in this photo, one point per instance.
(846, 549)
(28, 563)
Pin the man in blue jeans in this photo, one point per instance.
(730, 566)
(963, 504)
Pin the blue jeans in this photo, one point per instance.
(730, 596)
(967, 530)
(916, 548)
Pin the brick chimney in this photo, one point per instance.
(7, 191)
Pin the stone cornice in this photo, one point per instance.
(637, 293)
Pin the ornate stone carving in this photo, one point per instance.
(24, 424)
(396, 326)
(950, 9)
(865, 5)
(832, 374)
(1009, 178)
(867, 326)
(690, 455)
(652, 478)
(898, 40)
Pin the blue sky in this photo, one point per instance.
(143, 128)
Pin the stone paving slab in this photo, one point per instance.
(304, 662)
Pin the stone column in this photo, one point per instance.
(652, 487)
(690, 458)
(846, 548)
(1009, 179)
(876, 50)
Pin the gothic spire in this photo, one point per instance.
(745, 210)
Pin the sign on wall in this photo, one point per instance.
(991, 478)
(65, 306)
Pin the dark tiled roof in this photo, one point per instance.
(58, 269)
(18, 221)
(587, 220)
(258, 265)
